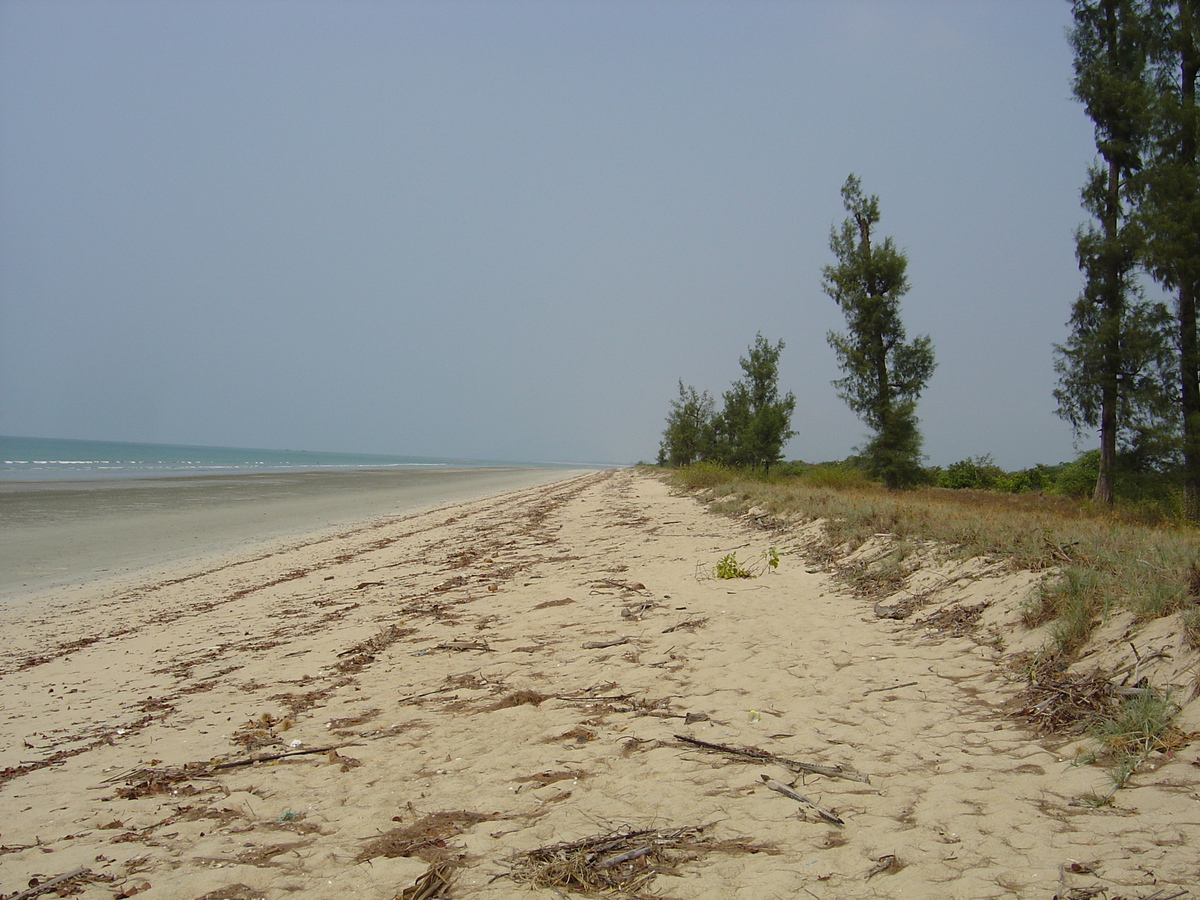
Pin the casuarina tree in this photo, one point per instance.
(688, 437)
(883, 372)
(1170, 209)
(755, 422)
(1116, 367)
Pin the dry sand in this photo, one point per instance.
(450, 656)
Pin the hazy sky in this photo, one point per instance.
(506, 229)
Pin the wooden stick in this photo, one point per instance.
(274, 756)
(440, 690)
(763, 756)
(50, 883)
(689, 623)
(464, 645)
(600, 645)
(889, 688)
(781, 788)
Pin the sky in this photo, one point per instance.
(505, 229)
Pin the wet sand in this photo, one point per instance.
(55, 534)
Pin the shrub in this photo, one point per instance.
(975, 472)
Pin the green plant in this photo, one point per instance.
(771, 558)
(729, 567)
(1141, 725)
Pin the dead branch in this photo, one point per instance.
(890, 687)
(600, 645)
(50, 883)
(763, 756)
(689, 623)
(781, 788)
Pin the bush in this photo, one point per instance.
(1078, 478)
(978, 473)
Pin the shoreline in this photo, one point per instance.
(59, 534)
(447, 689)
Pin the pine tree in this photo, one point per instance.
(1111, 370)
(755, 422)
(884, 373)
(689, 435)
(1171, 207)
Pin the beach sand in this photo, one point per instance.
(455, 658)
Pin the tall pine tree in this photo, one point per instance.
(755, 422)
(884, 373)
(1171, 207)
(1111, 370)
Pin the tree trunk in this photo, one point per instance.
(1189, 357)
(1111, 318)
(1189, 348)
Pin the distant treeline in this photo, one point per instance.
(1076, 478)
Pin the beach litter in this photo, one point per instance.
(623, 861)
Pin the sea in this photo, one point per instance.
(58, 459)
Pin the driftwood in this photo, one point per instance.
(890, 687)
(202, 770)
(600, 645)
(464, 645)
(781, 788)
(440, 690)
(50, 883)
(763, 756)
(234, 763)
(689, 623)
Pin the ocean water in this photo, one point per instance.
(54, 459)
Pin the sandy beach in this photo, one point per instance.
(424, 703)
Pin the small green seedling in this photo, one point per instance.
(729, 567)
(771, 556)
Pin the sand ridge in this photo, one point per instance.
(503, 675)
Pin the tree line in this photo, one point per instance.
(883, 373)
(1129, 369)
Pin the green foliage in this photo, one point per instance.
(1170, 206)
(1141, 725)
(729, 567)
(884, 373)
(750, 430)
(756, 421)
(771, 558)
(704, 475)
(975, 473)
(689, 435)
(1078, 478)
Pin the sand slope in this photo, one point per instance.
(444, 652)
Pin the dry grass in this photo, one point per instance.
(1108, 559)
(620, 863)
(425, 838)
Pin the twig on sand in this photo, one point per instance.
(763, 756)
(600, 645)
(689, 623)
(890, 687)
(781, 788)
(464, 645)
(50, 883)
(249, 761)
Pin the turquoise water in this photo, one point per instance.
(53, 459)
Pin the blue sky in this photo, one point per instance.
(506, 229)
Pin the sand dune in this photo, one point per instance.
(511, 674)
